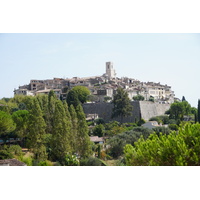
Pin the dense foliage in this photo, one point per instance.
(47, 127)
(121, 104)
(182, 148)
(138, 98)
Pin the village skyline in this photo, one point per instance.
(171, 59)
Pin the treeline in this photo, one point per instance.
(47, 126)
(179, 148)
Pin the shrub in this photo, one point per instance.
(16, 150)
(161, 129)
(98, 130)
(91, 161)
(138, 98)
(167, 150)
(71, 160)
(45, 163)
(4, 154)
(27, 160)
(140, 122)
(118, 142)
(99, 121)
(173, 127)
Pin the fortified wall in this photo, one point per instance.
(141, 109)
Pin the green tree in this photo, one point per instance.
(179, 109)
(83, 139)
(176, 111)
(7, 125)
(183, 99)
(99, 130)
(82, 93)
(117, 143)
(151, 98)
(92, 98)
(74, 121)
(36, 131)
(167, 150)
(61, 134)
(49, 109)
(72, 98)
(122, 104)
(198, 112)
(138, 98)
(5, 154)
(20, 118)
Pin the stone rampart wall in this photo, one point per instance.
(142, 109)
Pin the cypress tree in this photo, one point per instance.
(83, 139)
(66, 108)
(198, 114)
(60, 133)
(50, 111)
(36, 131)
(122, 104)
(183, 99)
(74, 121)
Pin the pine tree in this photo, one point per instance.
(198, 114)
(60, 133)
(74, 121)
(83, 139)
(36, 131)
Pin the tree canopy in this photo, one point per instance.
(82, 93)
(167, 150)
(138, 98)
(122, 104)
(6, 124)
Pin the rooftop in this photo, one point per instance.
(11, 162)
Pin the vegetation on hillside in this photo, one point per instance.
(45, 131)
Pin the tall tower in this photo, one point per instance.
(110, 72)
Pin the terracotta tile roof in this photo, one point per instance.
(11, 162)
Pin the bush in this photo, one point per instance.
(138, 98)
(91, 161)
(118, 142)
(99, 121)
(45, 163)
(71, 160)
(16, 150)
(173, 127)
(164, 119)
(156, 119)
(161, 129)
(27, 160)
(140, 122)
(167, 150)
(99, 130)
(172, 121)
(4, 154)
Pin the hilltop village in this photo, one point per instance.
(101, 87)
(46, 130)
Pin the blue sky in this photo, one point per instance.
(172, 59)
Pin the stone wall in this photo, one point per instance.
(149, 109)
(141, 109)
